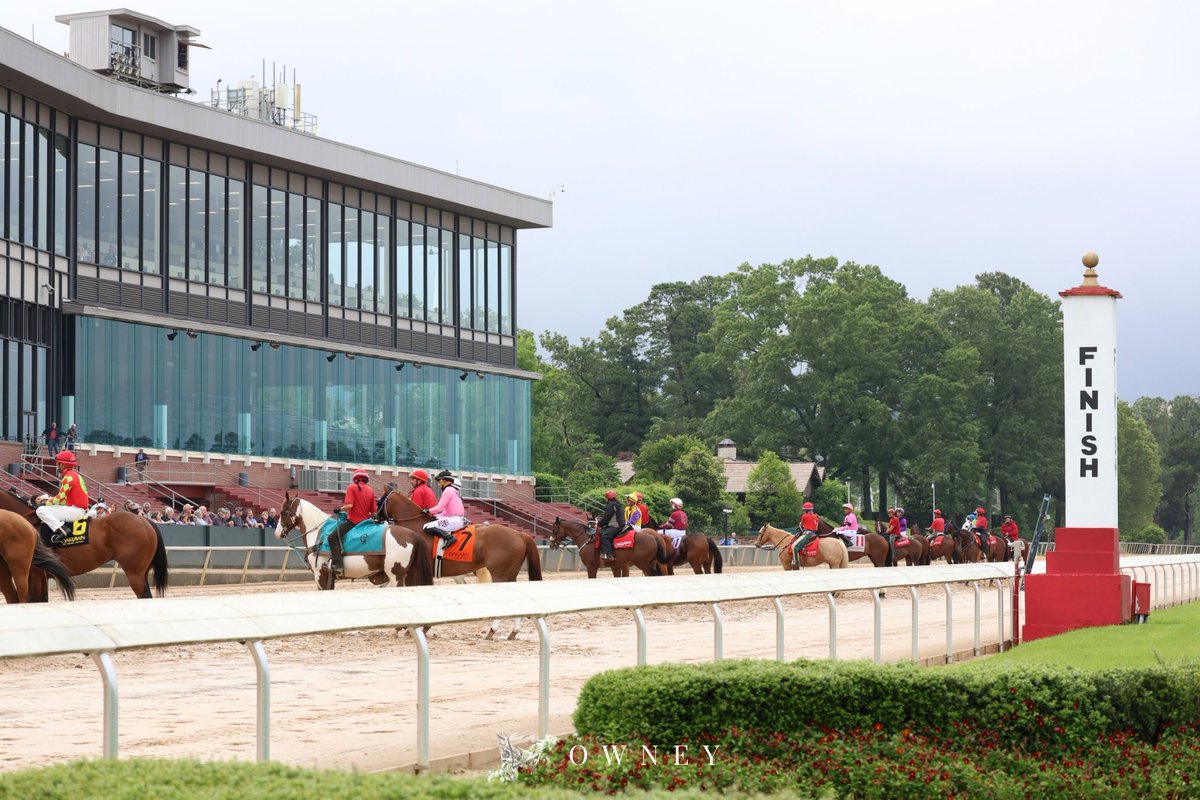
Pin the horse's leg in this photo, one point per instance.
(7, 585)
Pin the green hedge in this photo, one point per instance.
(549, 488)
(1051, 707)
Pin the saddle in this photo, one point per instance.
(71, 534)
(624, 540)
(364, 539)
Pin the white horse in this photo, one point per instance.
(405, 560)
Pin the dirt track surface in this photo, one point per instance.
(348, 700)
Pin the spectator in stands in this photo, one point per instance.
(186, 517)
(223, 518)
(73, 438)
(139, 463)
(133, 508)
(271, 520)
(167, 515)
(250, 520)
(239, 517)
(145, 509)
(202, 516)
(53, 439)
(102, 509)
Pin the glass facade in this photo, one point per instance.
(220, 394)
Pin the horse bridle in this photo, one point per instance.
(589, 530)
(297, 524)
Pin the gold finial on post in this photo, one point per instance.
(1090, 276)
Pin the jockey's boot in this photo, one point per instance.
(335, 552)
(447, 538)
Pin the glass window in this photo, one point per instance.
(464, 281)
(334, 257)
(382, 263)
(506, 282)
(417, 250)
(29, 182)
(234, 233)
(446, 289)
(493, 287)
(131, 211)
(433, 287)
(149, 46)
(216, 230)
(45, 173)
(177, 222)
(14, 178)
(12, 380)
(197, 225)
(182, 60)
(85, 205)
(106, 247)
(151, 214)
(60, 195)
(350, 236)
(312, 249)
(260, 219)
(479, 293)
(367, 261)
(278, 266)
(403, 287)
(295, 246)
(3, 166)
(122, 40)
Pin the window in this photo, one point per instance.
(260, 219)
(151, 214)
(131, 211)
(278, 241)
(60, 195)
(233, 211)
(312, 249)
(149, 46)
(216, 229)
(122, 42)
(333, 257)
(197, 225)
(106, 247)
(403, 290)
(85, 205)
(177, 222)
(183, 56)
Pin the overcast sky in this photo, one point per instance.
(934, 139)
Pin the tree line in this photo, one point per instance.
(811, 359)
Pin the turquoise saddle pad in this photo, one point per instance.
(365, 537)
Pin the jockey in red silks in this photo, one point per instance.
(422, 495)
(676, 524)
(71, 502)
(893, 528)
(808, 526)
(981, 529)
(938, 525)
(1009, 529)
(641, 504)
(359, 504)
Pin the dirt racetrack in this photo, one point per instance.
(348, 700)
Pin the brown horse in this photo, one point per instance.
(944, 549)
(647, 553)
(20, 549)
(405, 560)
(968, 547)
(831, 550)
(910, 553)
(130, 540)
(696, 550)
(498, 551)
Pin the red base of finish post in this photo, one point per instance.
(1082, 586)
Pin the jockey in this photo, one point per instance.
(903, 521)
(1009, 529)
(849, 522)
(422, 495)
(449, 512)
(980, 527)
(641, 504)
(633, 514)
(938, 525)
(808, 526)
(359, 504)
(676, 524)
(893, 528)
(71, 502)
(610, 524)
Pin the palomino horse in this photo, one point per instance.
(20, 549)
(696, 550)
(130, 540)
(646, 554)
(831, 550)
(405, 559)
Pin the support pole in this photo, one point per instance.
(108, 674)
(778, 628)
(543, 678)
(262, 671)
(418, 634)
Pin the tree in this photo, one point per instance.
(827, 500)
(592, 468)
(1140, 472)
(771, 493)
(656, 460)
(699, 481)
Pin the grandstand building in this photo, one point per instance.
(212, 280)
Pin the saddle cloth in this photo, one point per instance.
(463, 548)
(71, 534)
(936, 541)
(855, 542)
(625, 540)
(364, 539)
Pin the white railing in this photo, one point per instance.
(101, 629)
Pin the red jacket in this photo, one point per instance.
(676, 522)
(1010, 530)
(361, 498)
(809, 521)
(938, 526)
(71, 492)
(894, 526)
(424, 497)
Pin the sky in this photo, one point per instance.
(937, 140)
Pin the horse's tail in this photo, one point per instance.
(533, 559)
(715, 552)
(661, 555)
(46, 560)
(159, 564)
(420, 572)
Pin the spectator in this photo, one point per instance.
(203, 517)
(271, 520)
(139, 463)
(133, 508)
(73, 438)
(53, 440)
(146, 510)
(101, 509)
(239, 517)
(186, 516)
(167, 515)
(250, 520)
(223, 518)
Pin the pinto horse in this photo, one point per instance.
(647, 553)
(21, 549)
(697, 550)
(831, 550)
(405, 560)
(130, 540)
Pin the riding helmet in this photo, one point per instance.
(361, 476)
(66, 457)
(444, 475)
(420, 475)
(610, 495)
(808, 506)
(675, 501)
(937, 512)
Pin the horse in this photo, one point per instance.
(875, 547)
(968, 547)
(911, 552)
(130, 540)
(831, 550)
(921, 558)
(697, 550)
(646, 554)
(998, 549)
(945, 549)
(405, 560)
(21, 549)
